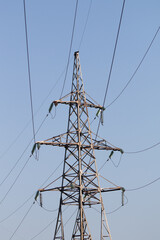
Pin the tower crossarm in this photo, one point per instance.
(60, 141)
(81, 103)
(84, 146)
(84, 190)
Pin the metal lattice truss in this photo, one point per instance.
(80, 180)
(87, 142)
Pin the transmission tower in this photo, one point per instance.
(80, 180)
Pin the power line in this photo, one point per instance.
(48, 210)
(139, 65)
(70, 217)
(15, 180)
(103, 165)
(21, 168)
(85, 26)
(144, 186)
(6, 177)
(16, 210)
(14, 141)
(30, 207)
(75, 15)
(115, 210)
(112, 62)
(17, 137)
(145, 149)
(114, 52)
(29, 72)
(117, 165)
(27, 124)
(133, 152)
(52, 173)
(31, 195)
(110, 159)
(46, 226)
(21, 221)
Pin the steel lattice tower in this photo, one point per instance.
(80, 180)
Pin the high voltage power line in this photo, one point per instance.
(112, 61)
(144, 149)
(29, 71)
(144, 186)
(6, 177)
(18, 208)
(24, 217)
(137, 68)
(47, 226)
(14, 182)
(74, 22)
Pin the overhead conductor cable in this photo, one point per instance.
(29, 72)
(112, 62)
(74, 22)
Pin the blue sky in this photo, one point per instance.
(131, 123)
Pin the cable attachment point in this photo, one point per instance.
(36, 196)
(100, 112)
(50, 108)
(121, 151)
(36, 147)
(111, 154)
(39, 194)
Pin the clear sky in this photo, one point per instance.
(131, 123)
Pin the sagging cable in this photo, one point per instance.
(112, 152)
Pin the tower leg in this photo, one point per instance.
(77, 234)
(105, 232)
(59, 230)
